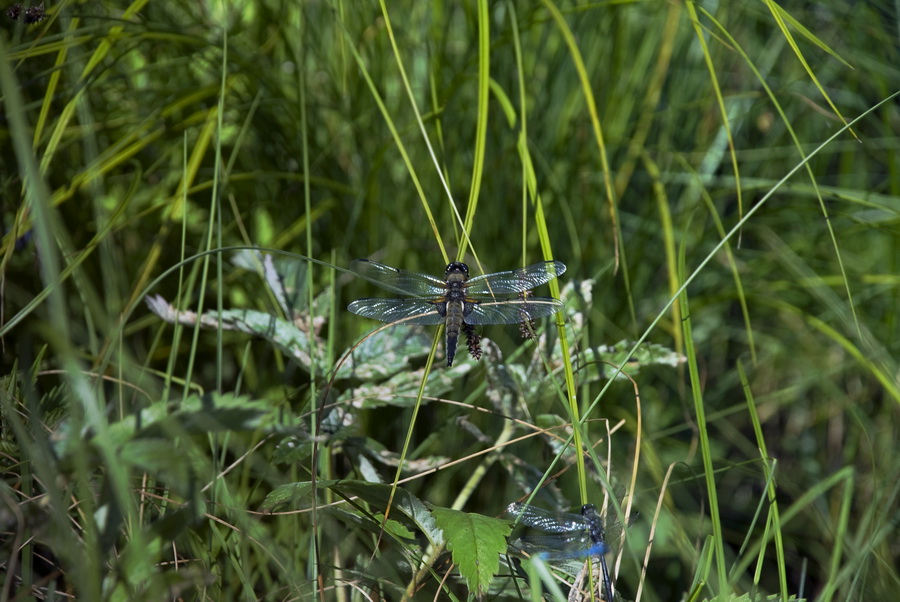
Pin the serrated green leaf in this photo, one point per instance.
(476, 542)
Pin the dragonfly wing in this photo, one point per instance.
(572, 545)
(399, 281)
(545, 520)
(512, 311)
(515, 281)
(411, 311)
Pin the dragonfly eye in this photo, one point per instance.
(457, 267)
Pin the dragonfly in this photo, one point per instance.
(457, 301)
(574, 536)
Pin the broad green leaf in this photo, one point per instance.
(291, 496)
(195, 415)
(602, 362)
(285, 277)
(352, 517)
(285, 334)
(476, 542)
(386, 353)
(406, 508)
(403, 505)
(365, 447)
(212, 413)
(292, 449)
(402, 389)
(155, 457)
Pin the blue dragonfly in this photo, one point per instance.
(566, 536)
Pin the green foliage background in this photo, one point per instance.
(673, 152)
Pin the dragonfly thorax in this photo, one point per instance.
(589, 512)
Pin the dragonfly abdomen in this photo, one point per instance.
(454, 323)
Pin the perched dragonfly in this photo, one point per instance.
(457, 301)
(575, 536)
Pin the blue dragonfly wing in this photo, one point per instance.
(411, 311)
(565, 535)
(515, 281)
(399, 281)
(512, 311)
(560, 546)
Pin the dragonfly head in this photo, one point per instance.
(457, 268)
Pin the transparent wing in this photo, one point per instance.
(515, 281)
(560, 546)
(545, 520)
(399, 281)
(412, 311)
(566, 535)
(512, 311)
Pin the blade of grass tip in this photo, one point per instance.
(705, 447)
(806, 500)
(714, 251)
(484, 76)
(396, 135)
(53, 85)
(635, 462)
(648, 111)
(729, 254)
(796, 140)
(779, 14)
(883, 374)
(770, 480)
(653, 524)
(522, 140)
(720, 101)
(96, 58)
(587, 90)
(668, 232)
